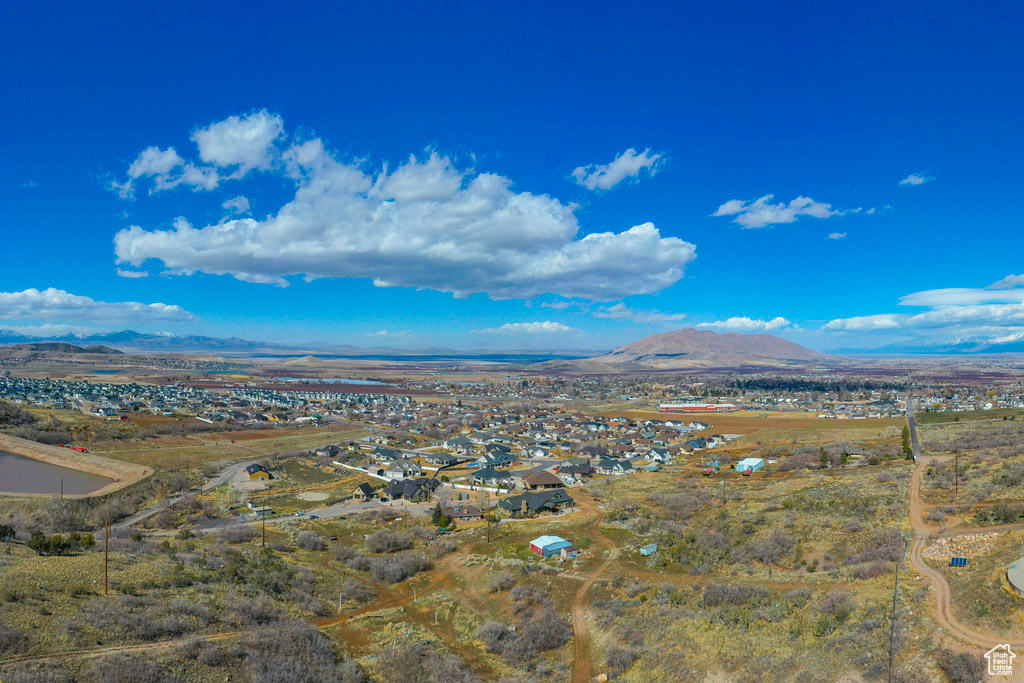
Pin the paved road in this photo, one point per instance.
(349, 508)
(912, 423)
(222, 477)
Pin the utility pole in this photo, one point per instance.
(956, 474)
(264, 515)
(895, 595)
(487, 515)
(106, 551)
(62, 488)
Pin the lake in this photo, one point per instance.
(330, 380)
(25, 475)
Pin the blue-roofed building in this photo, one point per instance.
(538, 544)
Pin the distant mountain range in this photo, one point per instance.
(55, 347)
(683, 348)
(141, 342)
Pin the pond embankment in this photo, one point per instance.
(118, 474)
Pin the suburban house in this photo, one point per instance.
(459, 444)
(258, 472)
(658, 455)
(488, 476)
(540, 479)
(537, 452)
(496, 459)
(609, 466)
(536, 502)
(363, 492)
(410, 489)
(403, 468)
(464, 513)
(441, 459)
(385, 454)
(330, 451)
(577, 471)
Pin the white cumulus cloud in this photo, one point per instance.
(837, 235)
(545, 327)
(237, 204)
(621, 311)
(761, 212)
(57, 304)
(861, 323)
(240, 143)
(245, 142)
(917, 179)
(166, 170)
(745, 324)
(132, 274)
(425, 224)
(629, 164)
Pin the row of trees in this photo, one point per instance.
(60, 544)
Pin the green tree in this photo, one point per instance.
(907, 450)
(6, 533)
(439, 518)
(822, 456)
(39, 542)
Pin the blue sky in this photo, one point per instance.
(521, 177)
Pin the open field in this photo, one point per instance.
(748, 422)
(969, 415)
(990, 467)
(178, 452)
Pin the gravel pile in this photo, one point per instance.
(969, 545)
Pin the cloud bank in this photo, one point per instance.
(57, 304)
(621, 311)
(745, 324)
(994, 314)
(425, 224)
(545, 327)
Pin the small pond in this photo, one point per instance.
(19, 474)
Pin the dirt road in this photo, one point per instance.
(966, 635)
(581, 669)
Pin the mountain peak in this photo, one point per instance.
(689, 346)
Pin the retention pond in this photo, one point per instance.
(19, 474)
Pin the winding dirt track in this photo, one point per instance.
(966, 635)
(581, 669)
